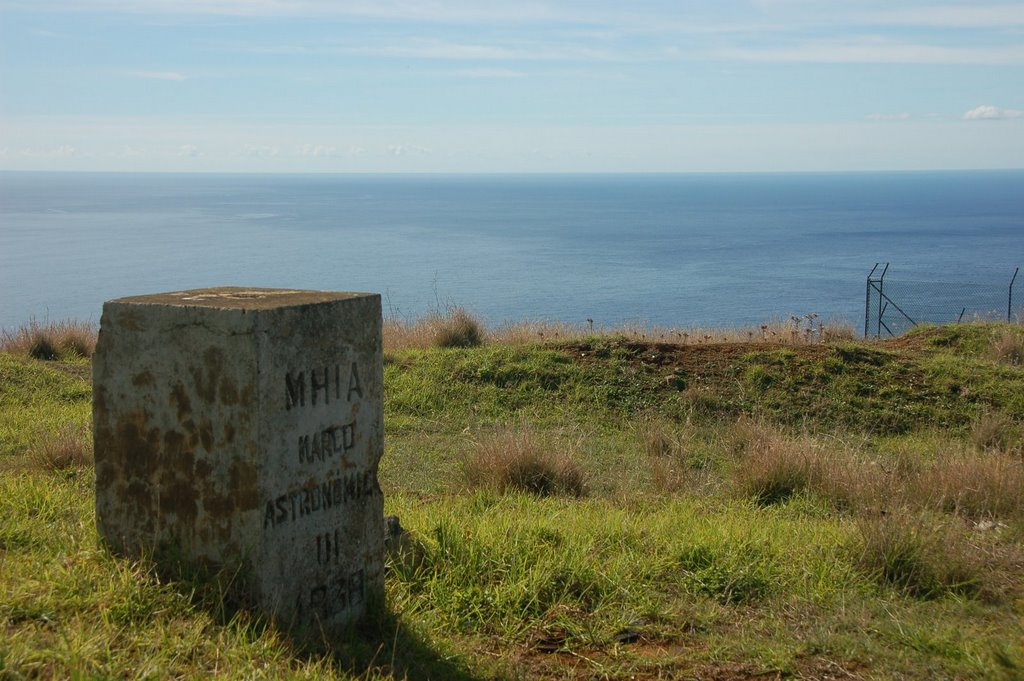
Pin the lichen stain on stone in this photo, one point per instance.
(138, 496)
(175, 442)
(99, 402)
(181, 402)
(200, 435)
(143, 379)
(244, 485)
(136, 446)
(206, 434)
(129, 319)
(177, 493)
(203, 469)
(247, 397)
(221, 507)
(206, 382)
(178, 497)
(228, 391)
(217, 505)
(126, 458)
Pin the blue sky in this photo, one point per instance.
(523, 86)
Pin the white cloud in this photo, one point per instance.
(127, 151)
(260, 151)
(903, 116)
(934, 14)
(437, 49)
(600, 20)
(454, 11)
(407, 150)
(971, 15)
(447, 50)
(319, 151)
(158, 75)
(875, 50)
(189, 151)
(169, 143)
(45, 152)
(489, 73)
(987, 112)
(299, 151)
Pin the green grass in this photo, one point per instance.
(891, 544)
(37, 398)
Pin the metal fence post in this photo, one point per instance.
(1009, 298)
(867, 301)
(881, 297)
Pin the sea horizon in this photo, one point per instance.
(512, 173)
(663, 249)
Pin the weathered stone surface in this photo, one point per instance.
(242, 428)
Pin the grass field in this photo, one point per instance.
(781, 504)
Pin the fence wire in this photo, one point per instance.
(894, 305)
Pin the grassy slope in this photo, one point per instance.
(666, 567)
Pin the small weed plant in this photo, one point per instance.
(742, 573)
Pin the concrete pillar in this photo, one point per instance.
(242, 429)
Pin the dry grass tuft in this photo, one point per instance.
(750, 435)
(918, 555)
(1007, 346)
(661, 439)
(518, 458)
(958, 479)
(521, 333)
(837, 333)
(428, 331)
(772, 468)
(973, 485)
(457, 328)
(667, 449)
(993, 431)
(51, 340)
(852, 481)
(453, 328)
(69, 448)
(402, 335)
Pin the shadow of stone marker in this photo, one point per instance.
(241, 429)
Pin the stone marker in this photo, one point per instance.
(241, 429)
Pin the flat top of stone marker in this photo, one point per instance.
(240, 298)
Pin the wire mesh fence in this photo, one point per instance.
(893, 305)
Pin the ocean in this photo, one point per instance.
(690, 250)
